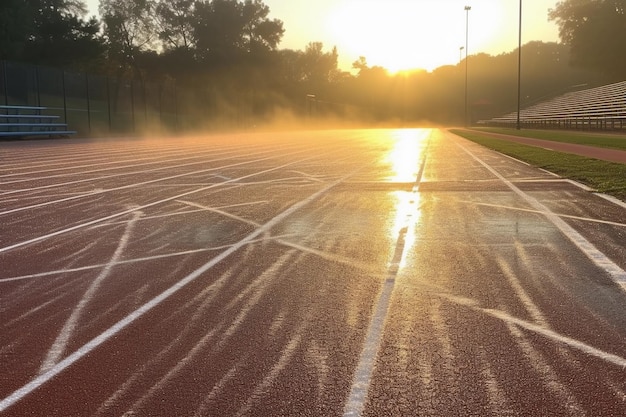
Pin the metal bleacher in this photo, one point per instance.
(25, 121)
(601, 108)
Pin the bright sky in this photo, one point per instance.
(408, 34)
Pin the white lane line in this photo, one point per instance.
(278, 238)
(324, 255)
(286, 357)
(124, 174)
(186, 212)
(612, 200)
(135, 163)
(134, 185)
(129, 319)
(565, 216)
(220, 212)
(57, 349)
(538, 329)
(113, 216)
(526, 300)
(363, 375)
(100, 178)
(594, 254)
(158, 155)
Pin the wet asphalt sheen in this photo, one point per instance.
(334, 273)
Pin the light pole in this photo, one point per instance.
(519, 70)
(467, 9)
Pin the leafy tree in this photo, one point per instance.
(174, 20)
(52, 32)
(130, 29)
(16, 24)
(259, 32)
(227, 31)
(316, 66)
(595, 30)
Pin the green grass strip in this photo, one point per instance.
(605, 177)
(611, 141)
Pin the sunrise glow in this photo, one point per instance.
(401, 34)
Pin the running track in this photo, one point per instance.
(353, 272)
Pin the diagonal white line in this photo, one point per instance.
(536, 328)
(129, 319)
(134, 185)
(113, 216)
(58, 347)
(617, 274)
(361, 381)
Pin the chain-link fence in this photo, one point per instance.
(91, 104)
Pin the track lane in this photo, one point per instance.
(480, 319)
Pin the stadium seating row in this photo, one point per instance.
(594, 108)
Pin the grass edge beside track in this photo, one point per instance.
(603, 176)
(596, 139)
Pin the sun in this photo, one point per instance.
(409, 34)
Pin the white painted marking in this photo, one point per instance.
(139, 184)
(113, 216)
(531, 307)
(549, 172)
(565, 216)
(285, 357)
(58, 347)
(363, 375)
(580, 185)
(546, 372)
(133, 316)
(78, 170)
(612, 200)
(221, 212)
(143, 259)
(552, 335)
(538, 329)
(205, 408)
(373, 340)
(251, 296)
(596, 256)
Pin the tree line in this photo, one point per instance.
(226, 59)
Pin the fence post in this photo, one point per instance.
(88, 102)
(161, 104)
(109, 104)
(38, 85)
(176, 123)
(64, 98)
(4, 80)
(145, 100)
(132, 103)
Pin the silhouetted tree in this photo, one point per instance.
(316, 66)
(51, 32)
(130, 29)
(596, 32)
(228, 31)
(174, 20)
(16, 24)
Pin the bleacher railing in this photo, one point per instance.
(90, 104)
(599, 108)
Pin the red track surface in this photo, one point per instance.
(605, 154)
(356, 272)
